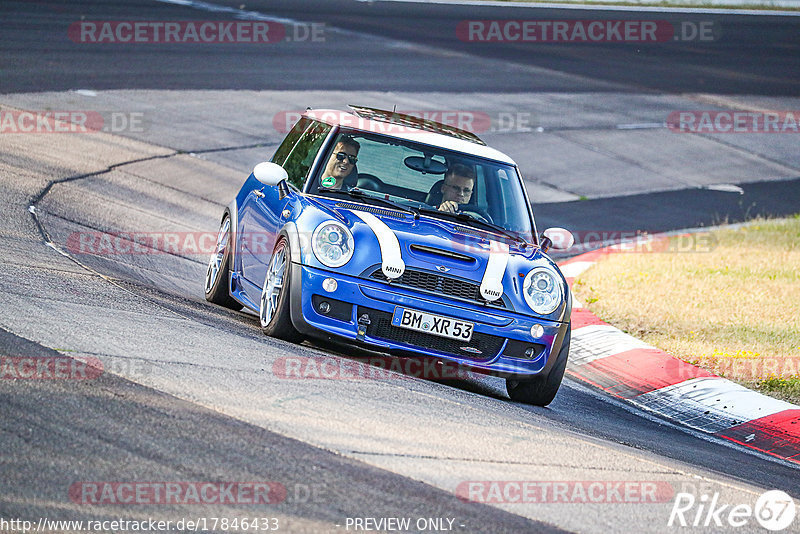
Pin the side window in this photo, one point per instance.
(298, 150)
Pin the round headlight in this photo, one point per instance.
(542, 291)
(332, 244)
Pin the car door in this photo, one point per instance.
(260, 214)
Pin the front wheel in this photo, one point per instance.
(218, 272)
(541, 390)
(275, 307)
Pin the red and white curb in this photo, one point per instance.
(653, 380)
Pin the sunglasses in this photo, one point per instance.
(340, 156)
(460, 190)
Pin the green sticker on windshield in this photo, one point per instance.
(328, 181)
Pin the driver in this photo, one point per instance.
(340, 164)
(457, 187)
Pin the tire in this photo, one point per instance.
(541, 390)
(218, 273)
(274, 311)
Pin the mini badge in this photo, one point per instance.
(328, 181)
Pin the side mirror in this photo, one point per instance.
(557, 238)
(269, 173)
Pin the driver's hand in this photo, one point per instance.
(449, 205)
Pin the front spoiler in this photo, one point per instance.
(306, 281)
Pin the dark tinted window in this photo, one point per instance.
(298, 150)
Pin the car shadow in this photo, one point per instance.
(427, 368)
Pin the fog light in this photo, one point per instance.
(324, 307)
(530, 353)
(537, 331)
(329, 285)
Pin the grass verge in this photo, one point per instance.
(726, 300)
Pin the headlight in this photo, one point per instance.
(542, 291)
(332, 244)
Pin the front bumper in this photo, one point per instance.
(499, 342)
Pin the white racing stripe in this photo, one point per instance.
(392, 263)
(492, 282)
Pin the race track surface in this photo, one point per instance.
(192, 392)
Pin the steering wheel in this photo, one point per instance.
(369, 182)
(479, 215)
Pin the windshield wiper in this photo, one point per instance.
(361, 195)
(466, 217)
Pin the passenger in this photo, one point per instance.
(341, 163)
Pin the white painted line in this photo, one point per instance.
(571, 270)
(593, 342)
(711, 404)
(642, 126)
(727, 188)
(644, 8)
(238, 13)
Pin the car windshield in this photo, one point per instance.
(431, 181)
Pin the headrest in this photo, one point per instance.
(434, 196)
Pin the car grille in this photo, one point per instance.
(441, 285)
(381, 327)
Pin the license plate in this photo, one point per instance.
(432, 324)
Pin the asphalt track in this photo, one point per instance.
(750, 55)
(192, 394)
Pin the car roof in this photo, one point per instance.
(453, 139)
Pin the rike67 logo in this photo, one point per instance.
(774, 510)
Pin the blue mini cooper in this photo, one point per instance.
(401, 234)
